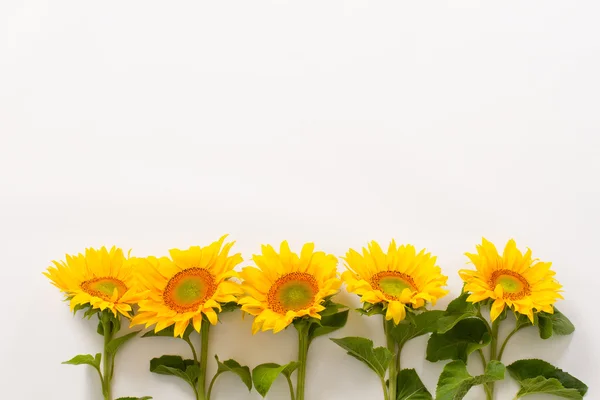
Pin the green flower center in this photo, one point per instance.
(392, 283)
(514, 286)
(295, 291)
(189, 289)
(104, 288)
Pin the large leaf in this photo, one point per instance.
(458, 310)
(264, 375)
(541, 385)
(243, 372)
(169, 332)
(410, 386)
(556, 323)
(176, 366)
(328, 323)
(86, 359)
(455, 381)
(114, 344)
(526, 370)
(362, 349)
(456, 344)
(416, 325)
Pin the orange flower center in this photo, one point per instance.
(392, 283)
(104, 288)
(514, 286)
(189, 289)
(294, 291)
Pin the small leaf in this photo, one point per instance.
(243, 372)
(523, 370)
(264, 375)
(331, 308)
(328, 323)
(86, 359)
(416, 325)
(176, 366)
(114, 344)
(548, 386)
(229, 307)
(371, 309)
(169, 332)
(458, 310)
(135, 398)
(545, 327)
(464, 338)
(455, 382)
(410, 386)
(362, 349)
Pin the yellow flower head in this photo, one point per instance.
(102, 278)
(286, 286)
(190, 284)
(515, 279)
(396, 279)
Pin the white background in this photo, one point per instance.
(153, 125)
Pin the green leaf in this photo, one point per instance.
(523, 370)
(464, 338)
(458, 310)
(556, 323)
(264, 375)
(135, 398)
(169, 332)
(229, 307)
(369, 309)
(547, 386)
(176, 366)
(416, 325)
(114, 344)
(233, 366)
(86, 359)
(455, 382)
(362, 349)
(410, 386)
(328, 323)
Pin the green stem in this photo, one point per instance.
(506, 342)
(292, 396)
(108, 360)
(486, 387)
(303, 343)
(386, 396)
(204, 331)
(494, 351)
(189, 342)
(393, 367)
(212, 383)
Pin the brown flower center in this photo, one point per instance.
(294, 291)
(392, 283)
(189, 289)
(514, 286)
(104, 287)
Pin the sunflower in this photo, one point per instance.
(514, 279)
(399, 278)
(286, 286)
(190, 284)
(102, 278)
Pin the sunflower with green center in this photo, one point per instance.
(102, 278)
(286, 286)
(396, 279)
(190, 285)
(512, 279)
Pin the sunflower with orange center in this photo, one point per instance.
(396, 279)
(286, 286)
(101, 278)
(189, 286)
(512, 279)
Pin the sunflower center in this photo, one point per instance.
(294, 291)
(393, 283)
(188, 289)
(514, 286)
(104, 287)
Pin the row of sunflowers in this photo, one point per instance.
(182, 296)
